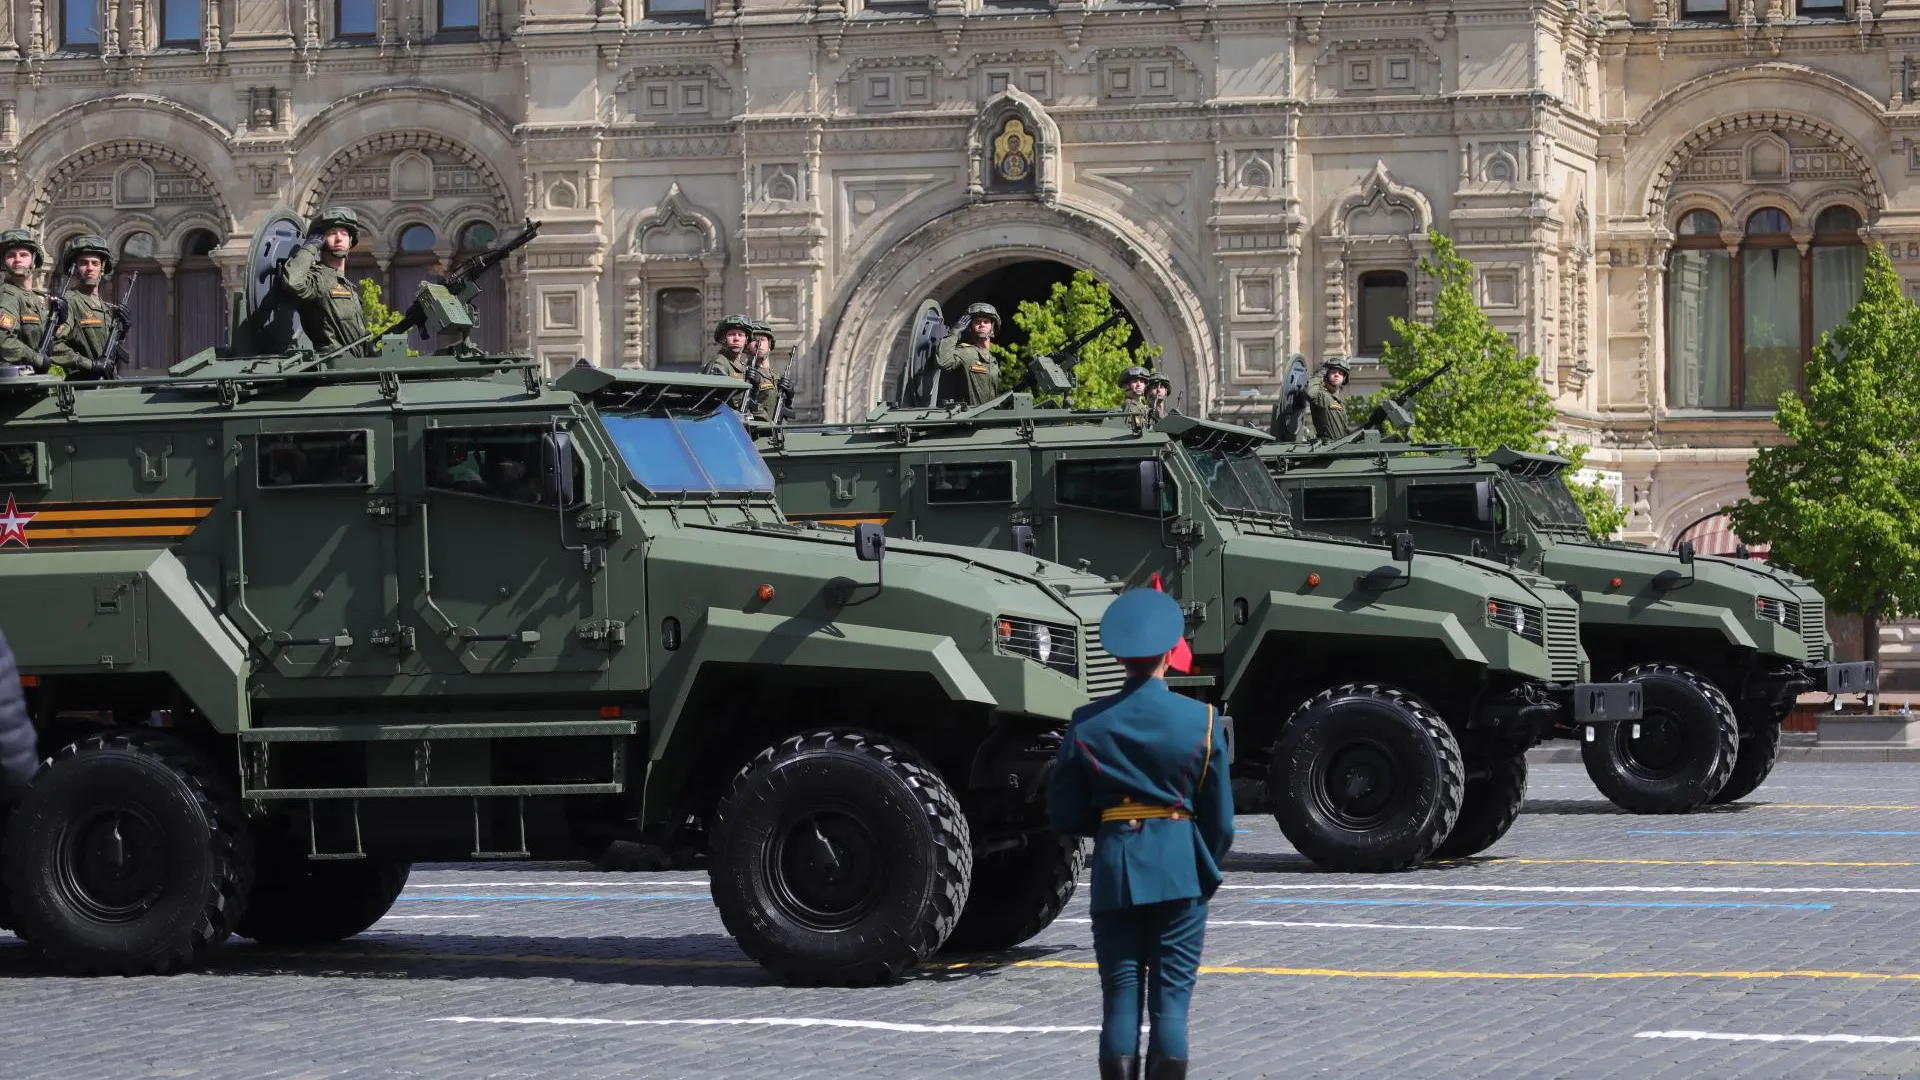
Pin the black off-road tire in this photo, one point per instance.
(1491, 807)
(128, 856)
(894, 831)
(302, 901)
(1759, 751)
(1366, 778)
(1016, 894)
(1689, 740)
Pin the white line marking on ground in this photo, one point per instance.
(770, 1021)
(1335, 925)
(1720, 1036)
(1770, 889)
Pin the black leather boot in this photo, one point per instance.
(1120, 1068)
(1166, 1068)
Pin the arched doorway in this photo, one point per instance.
(1714, 535)
(946, 255)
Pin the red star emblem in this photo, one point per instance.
(13, 524)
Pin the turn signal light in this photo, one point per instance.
(1614, 582)
(1313, 581)
(764, 592)
(1493, 608)
(1006, 628)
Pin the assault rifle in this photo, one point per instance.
(108, 365)
(1052, 373)
(56, 316)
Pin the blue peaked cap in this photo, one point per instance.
(1142, 623)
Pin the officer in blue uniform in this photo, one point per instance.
(1144, 772)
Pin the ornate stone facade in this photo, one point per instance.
(1254, 178)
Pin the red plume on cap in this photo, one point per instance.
(1182, 659)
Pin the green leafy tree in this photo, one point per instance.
(374, 310)
(1840, 502)
(1492, 396)
(1074, 308)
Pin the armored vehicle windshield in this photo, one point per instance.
(689, 455)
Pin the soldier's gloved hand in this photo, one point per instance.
(313, 241)
(785, 386)
(105, 367)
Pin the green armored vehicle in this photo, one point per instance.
(293, 622)
(1721, 646)
(1384, 701)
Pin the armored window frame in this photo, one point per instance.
(970, 483)
(37, 473)
(1467, 496)
(1118, 493)
(1336, 503)
(487, 489)
(322, 453)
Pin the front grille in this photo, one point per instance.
(1104, 674)
(1517, 619)
(1023, 637)
(1813, 629)
(1563, 643)
(1785, 612)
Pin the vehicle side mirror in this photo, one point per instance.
(1686, 552)
(1150, 480)
(556, 468)
(1023, 541)
(869, 542)
(1403, 547)
(1483, 501)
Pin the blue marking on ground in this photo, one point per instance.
(552, 896)
(1541, 903)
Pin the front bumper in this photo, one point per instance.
(1857, 677)
(1527, 713)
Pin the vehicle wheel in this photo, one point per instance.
(838, 860)
(1016, 894)
(1685, 748)
(127, 856)
(1491, 806)
(1365, 778)
(1759, 749)
(302, 901)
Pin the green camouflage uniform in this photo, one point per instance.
(1330, 419)
(329, 304)
(23, 319)
(83, 340)
(981, 370)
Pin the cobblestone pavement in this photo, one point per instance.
(1780, 938)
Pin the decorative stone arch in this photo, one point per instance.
(1789, 79)
(676, 244)
(184, 225)
(77, 165)
(457, 218)
(1696, 508)
(1758, 121)
(323, 185)
(1688, 201)
(127, 225)
(1754, 202)
(875, 304)
(82, 137)
(1013, 103)
(402, 118)
(1378, 224)
(1828, 198)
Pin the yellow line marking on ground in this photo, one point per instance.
(1832, 806)
(1497, 861)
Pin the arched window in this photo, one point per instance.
(150, 338)
(1383, 298)
(201, 322)
(490, 307)
(1741, 327)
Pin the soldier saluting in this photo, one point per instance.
(80, 348)
(316, 276)
(24, 311)
(1144, 772)
(1323, 401)
(968, 353)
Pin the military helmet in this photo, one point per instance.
(987, 311)
(1159, 378)
(90, 244)
(333, 216)
(732, 322)
(23, 238)
(1336, 363)
(1135, 372)
(757, 328)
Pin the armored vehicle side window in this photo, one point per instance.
(290, 459)
(1452, 505)
(1337, 504)
(970, 482)
(20, 465)
(1107, 484)
(493, 463)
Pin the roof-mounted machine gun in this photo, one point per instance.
(1052, 373)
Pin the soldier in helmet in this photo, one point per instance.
(736, 359)
(1158, 387)
(966, 353)
(316, 275)
(80, 349)
(1323, 401)
(1134, 381)
(24, 312)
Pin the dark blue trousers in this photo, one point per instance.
(1157, 945)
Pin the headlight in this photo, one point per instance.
(1044, 643)
(1784, 612)
(1528, 622)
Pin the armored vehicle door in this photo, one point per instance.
(499, 577)
(1448, 513)
(1106, 509)
(971, 497)
(311, 548)
(1339, 505)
